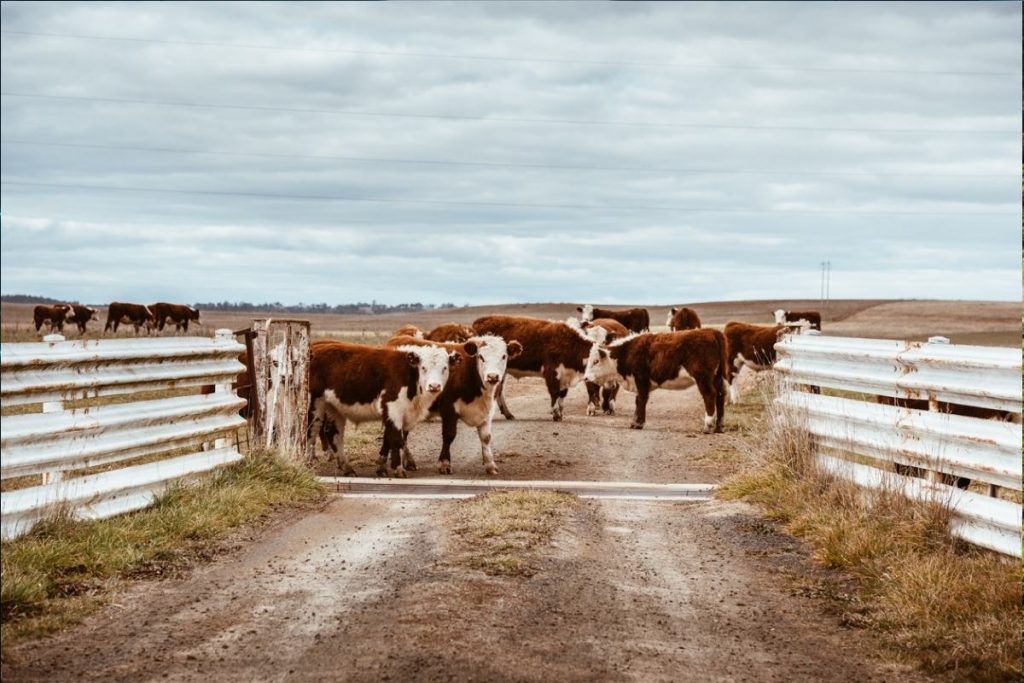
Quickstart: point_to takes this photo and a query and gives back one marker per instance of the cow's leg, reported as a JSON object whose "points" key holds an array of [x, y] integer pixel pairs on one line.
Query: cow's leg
{"points": [[484, 432], [407, 460], [719, 401], [184, 325], [555, 392], [706, 386], [449, 428], [39, 324], [393, 443], [608, 401], [643, 392], [338, 443], [499, 394], [734, 389], [593, 397]]}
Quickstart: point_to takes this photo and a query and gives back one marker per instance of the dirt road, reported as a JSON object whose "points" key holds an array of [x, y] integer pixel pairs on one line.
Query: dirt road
{"points": [[364, 589]]}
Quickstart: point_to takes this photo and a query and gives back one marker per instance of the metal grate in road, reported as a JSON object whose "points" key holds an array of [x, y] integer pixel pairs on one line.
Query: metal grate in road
{"points": [[467, 488]]}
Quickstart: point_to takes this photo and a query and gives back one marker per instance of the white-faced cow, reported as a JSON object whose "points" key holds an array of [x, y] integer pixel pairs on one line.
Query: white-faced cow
{"points": [[602, 398], [469, 395], [682, 319], [552, 349], [813, 318], [357, 383], [669, 360], [635, 319], [752, 346], [135, 315], [450, 332], [178, 314], [54, 315], [80, 316]]}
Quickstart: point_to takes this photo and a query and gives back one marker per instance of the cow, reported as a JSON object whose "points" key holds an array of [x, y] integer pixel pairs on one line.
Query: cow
{"points": [[595, 400], [450, 332], [752, 346], [635, 319], [667, 360], [178, 314], [812, 317], [54, 315], [554, 350], [358, 383], [682, 319], [80, 316], [409, 331], [135, 315], [469, 395]]}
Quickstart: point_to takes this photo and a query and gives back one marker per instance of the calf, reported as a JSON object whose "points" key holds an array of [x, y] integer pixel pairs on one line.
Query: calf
{"points": [[469, 395], [135, 315], [812, 317], [80, 316], [178, 314], [682, 319], [54, 315], [669, 360], [635, 319], [357, 383], [553, 350], [450, 332], [598, 397], [752, 346]]}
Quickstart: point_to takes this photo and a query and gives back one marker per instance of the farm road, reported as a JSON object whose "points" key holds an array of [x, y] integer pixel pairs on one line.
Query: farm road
{"points": [[365, 589]]}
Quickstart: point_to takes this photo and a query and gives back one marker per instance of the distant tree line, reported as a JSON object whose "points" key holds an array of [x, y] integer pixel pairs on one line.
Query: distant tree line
{"points": [[361, 307], [31, 299]]}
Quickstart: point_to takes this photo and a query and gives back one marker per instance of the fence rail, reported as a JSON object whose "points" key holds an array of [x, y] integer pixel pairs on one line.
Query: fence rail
{"points": [[944, 380], [63, 439]]}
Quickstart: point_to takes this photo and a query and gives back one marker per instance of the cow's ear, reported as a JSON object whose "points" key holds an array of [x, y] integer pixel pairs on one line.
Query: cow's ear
{"points": [[471, 348], [610, 337], [579, 308], [414, 358], [514, 348], [454, 358], [674, 311], [585, 324]]}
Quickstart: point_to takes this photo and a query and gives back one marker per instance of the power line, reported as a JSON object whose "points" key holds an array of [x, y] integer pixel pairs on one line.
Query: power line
{"points": [[498, 164], [495, 58], [495, 119], [444, 202]]}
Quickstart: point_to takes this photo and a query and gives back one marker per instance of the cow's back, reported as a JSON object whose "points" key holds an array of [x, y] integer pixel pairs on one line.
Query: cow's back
{"points": [[532, 333], [356, 373]]}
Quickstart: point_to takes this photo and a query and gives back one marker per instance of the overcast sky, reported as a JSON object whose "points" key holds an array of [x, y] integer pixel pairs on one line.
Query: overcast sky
{"points": [[490, 152]]}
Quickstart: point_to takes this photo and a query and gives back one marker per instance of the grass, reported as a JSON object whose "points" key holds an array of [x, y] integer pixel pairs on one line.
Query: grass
{"points": [[497, 532], [948, 606], [64, 569]]}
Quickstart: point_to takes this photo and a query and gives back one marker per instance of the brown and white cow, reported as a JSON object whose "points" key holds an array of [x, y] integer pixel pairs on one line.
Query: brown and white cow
{"points": [[450, 332], [358, 383], [178, 314], [80, 316], [469, 395], [682, 319], [135, 315], [54, 315], [752, 346], [602, 398], [409, 331], [635, 319], [667, 360], [813, 318], [552, 349]]}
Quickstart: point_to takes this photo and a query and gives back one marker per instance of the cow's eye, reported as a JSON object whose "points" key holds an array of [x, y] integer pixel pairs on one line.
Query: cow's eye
{"points": [[504, 357]]}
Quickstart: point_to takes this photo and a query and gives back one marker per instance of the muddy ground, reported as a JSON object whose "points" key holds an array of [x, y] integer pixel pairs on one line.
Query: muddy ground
{"points": [[627, 591]]}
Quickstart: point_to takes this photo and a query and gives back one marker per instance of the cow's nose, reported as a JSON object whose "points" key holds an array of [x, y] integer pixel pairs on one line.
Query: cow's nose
{"points": [[434, 388], [493, 378]]}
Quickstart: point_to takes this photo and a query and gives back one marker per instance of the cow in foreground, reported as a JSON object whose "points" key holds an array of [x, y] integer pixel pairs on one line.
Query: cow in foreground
{"points": [[80, 316], [450, 332], [469, 395], [602, 398], [752, 346], [178, 314], [135, 315], [668, 360], [682, 319], [553, 350], [357, 383], [635, 319], [813, 318], [54, 315]]}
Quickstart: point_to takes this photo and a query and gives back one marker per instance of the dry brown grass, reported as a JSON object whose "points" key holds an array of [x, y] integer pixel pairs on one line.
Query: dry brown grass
{"points": [[948, 606]]}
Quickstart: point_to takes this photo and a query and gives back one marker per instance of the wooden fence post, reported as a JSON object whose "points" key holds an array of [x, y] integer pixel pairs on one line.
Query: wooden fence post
{"points": [[281, 363]]}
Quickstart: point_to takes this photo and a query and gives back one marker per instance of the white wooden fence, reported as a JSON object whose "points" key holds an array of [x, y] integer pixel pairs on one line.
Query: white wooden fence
{"points": [[938, 373], [61, 439]]}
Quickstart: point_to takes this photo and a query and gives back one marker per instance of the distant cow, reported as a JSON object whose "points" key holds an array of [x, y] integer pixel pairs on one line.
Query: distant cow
{"points": [[450, 332], [669, 360], [635, 319], [603, 397], [682, 319], [178, 314], [752, 346], [80, 316], [409, 331], [553, 350], [54, 315], [135, 315], [469, 395], [357, 383], [812, 317]]}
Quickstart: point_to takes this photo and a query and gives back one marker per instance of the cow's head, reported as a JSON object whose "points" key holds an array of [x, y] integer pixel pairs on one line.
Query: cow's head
{"points": [[492, 355], [434, 364], [193, 314], [601, 367], [671, 314], [780, 316], [586, 312]]}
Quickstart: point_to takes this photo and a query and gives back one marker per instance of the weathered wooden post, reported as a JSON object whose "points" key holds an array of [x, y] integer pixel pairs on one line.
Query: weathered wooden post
{"points": [[281, 367]]}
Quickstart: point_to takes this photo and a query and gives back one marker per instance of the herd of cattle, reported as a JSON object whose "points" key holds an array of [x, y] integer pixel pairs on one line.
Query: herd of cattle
{"points": [[154, 316], [458, 372]]}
